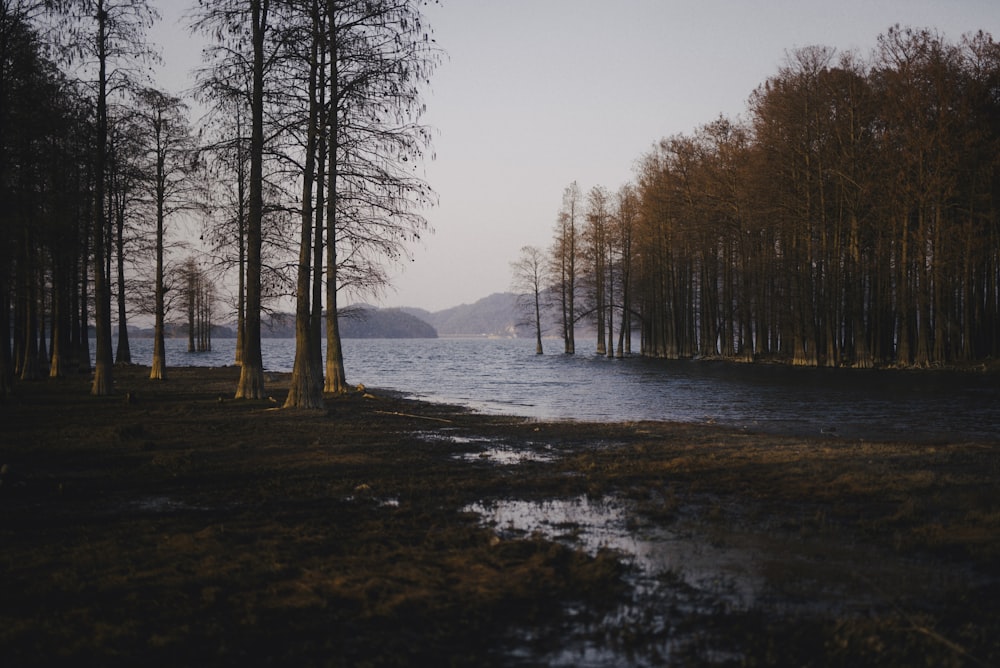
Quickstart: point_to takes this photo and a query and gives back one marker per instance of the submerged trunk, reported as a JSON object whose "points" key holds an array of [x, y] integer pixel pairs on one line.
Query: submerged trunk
{"points": [[538, 324]]}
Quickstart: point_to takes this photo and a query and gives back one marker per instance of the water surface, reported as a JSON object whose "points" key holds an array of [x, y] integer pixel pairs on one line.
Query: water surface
{"points": [[505, 376]]}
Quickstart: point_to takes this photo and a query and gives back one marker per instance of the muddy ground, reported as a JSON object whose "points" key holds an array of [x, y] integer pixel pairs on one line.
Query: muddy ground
{"points": [[172, 525]]}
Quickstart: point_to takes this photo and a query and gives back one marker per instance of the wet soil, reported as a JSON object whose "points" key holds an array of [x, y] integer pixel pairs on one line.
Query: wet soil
{"points": [[173, 525]]}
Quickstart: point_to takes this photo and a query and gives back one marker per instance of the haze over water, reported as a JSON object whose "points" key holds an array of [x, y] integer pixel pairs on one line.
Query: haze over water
{"points": [[504, 376]]}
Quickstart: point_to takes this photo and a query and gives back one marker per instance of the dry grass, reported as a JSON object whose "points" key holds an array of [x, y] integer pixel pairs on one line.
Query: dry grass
{"points": [[188, 528]]}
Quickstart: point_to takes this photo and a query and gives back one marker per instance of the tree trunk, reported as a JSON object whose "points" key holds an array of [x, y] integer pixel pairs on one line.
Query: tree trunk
{"points": [[336, 379], [103, 376], [29, 312], [80, 318], [251, 384], [306, 389], [538, 322], [123, 355], [158, 369], [6, 368]]}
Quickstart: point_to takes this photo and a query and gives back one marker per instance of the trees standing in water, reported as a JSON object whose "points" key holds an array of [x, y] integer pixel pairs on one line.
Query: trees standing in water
{"points": [[530, 284], [316, 121], [851, 220]]}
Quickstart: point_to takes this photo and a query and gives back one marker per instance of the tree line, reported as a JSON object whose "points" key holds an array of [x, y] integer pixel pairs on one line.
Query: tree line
{"points": [[852, 218], [302, 176]]}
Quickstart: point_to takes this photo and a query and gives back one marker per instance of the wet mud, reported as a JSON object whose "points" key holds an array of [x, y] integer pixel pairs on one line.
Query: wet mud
{"points": [[172, 525]]}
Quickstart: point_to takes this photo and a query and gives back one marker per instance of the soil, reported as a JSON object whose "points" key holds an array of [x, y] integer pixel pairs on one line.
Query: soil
{"points": [[170, 524]]}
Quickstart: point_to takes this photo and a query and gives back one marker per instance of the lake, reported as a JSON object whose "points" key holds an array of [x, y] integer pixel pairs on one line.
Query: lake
{"points": [[505, 376]]}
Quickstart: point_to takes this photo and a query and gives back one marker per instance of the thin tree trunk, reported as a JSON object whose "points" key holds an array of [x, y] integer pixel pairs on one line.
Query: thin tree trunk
{"points": [[335, 381], [83, 321], [123, 354], [103, 375], [538, 322], [306, 389], [29, 293], [158, 369], [6, 368]]}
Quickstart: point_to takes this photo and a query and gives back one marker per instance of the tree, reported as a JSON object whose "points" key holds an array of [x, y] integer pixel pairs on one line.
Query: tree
{"points": [[171, 161], [306, 387], [381, 54], [597, 249], [565, 249], [111, 35], [529, 277], [625, 223], [198, 298], [122, 176], [229, 23]]}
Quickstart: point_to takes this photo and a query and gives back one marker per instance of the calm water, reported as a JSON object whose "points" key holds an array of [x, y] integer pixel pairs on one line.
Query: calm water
{"points": [[505, 376]]}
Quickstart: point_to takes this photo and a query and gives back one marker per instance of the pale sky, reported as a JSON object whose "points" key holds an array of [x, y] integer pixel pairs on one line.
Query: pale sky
{"points": [[535, 94]]}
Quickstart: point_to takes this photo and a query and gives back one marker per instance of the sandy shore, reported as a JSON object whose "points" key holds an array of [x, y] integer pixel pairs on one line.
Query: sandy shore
{"points": [[182, 527]]}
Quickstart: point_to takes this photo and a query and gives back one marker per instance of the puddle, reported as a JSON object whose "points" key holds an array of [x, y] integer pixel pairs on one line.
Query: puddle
{"points": [[494, 451], [675, 576], [506, 456], [159, 504], [690, 577], [445, 436], [726, 571]]}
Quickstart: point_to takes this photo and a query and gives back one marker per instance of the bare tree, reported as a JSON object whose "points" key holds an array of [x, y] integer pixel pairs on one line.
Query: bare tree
{"points": [[529, 278], [381, 54], [306, 387], [229, 23], [565, 251], [625, 223], [111, 36], [171, 157], [597, 240]]}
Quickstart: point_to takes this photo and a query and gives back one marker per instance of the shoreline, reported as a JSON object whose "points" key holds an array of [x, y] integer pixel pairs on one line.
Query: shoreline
{"points": [[937, 417], [188, 527]]}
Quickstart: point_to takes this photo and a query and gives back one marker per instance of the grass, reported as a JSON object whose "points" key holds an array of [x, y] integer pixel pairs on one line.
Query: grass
{"points": [[185, 527]]}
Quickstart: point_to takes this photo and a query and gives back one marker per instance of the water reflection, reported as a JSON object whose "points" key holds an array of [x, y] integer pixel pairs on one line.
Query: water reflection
{"points": [[726, 570], [690, 577]]}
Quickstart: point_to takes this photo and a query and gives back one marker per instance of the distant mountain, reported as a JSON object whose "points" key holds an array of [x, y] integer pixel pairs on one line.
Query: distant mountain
{"points": [[388, 323], [496, 315], [358, 322]]}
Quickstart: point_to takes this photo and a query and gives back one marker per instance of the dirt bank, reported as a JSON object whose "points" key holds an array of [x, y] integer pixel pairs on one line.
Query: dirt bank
{"points": [[173, 525]]}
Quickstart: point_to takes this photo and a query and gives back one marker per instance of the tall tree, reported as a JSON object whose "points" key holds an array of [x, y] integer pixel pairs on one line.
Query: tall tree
{"points": [[381, 55], [111, 35], [229, 23], [565, 251], [171, 162], [596, 237], [625, 223], [306, 387], [529, 279]]}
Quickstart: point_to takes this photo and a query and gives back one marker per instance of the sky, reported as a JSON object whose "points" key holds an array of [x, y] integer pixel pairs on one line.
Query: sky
{"points": [[532, 95]]}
